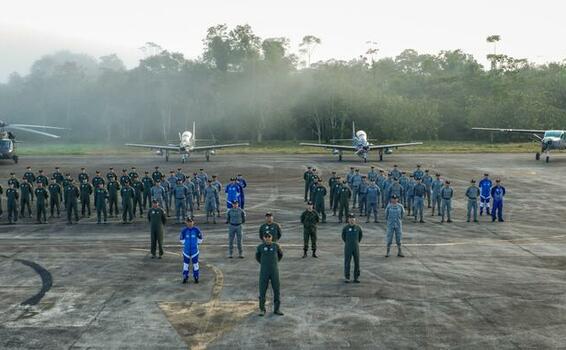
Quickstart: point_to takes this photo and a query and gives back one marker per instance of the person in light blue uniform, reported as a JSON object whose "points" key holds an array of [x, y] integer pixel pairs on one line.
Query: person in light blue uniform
{"points": [[472, 193], [372, 199], [180, 192], [403, 181], [418, 172], [356, 181], [410, 188], [172, 180], [191, 237], [427, 181], [436, 186], [218, 185], [419, 192], [485, 194], [394, 214], [395, 172], [372, 175], [497, 193], [446, 195]]}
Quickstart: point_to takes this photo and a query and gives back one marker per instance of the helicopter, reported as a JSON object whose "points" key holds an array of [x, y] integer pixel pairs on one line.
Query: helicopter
{"points": [[8, 138]]}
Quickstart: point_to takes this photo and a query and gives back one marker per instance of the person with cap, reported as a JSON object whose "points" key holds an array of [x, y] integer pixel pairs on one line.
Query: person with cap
{"points": [[331, 182], [41, 178], [472, 193], [14, 181], [41, 196], [127, 193], [157, 175], [26, 192], [268, 254], [191, 238], [113, 188], [233, 192], [372, 175], [395, 190], [58, 176], [180, 192], [403, 181], [352, 236], [124, 177], [157, 219], [485, 194], [436, 187], [313, 187], [180, 175], [395, 172], [55, 197], [210, 195], [12, 197], [419, 193], [243, 184], [172, 181], [372, 201], [270, 227], [147, 182], [137, 185], [418, 173], [356, 181], [29, 175], [1, 193], [203, 182], [167, 189], [133, 173], [97, 179], [410, 193], [335, 191], [235, 218], [86, 191], [83, 175], [100, 198], [344, 201], [394, 214], [307, 177], [380, 182], [111, 174], [362, 196], [189, 200], [197, 183], [349, 176], [497, 193], [218, 185], [65, 184], [318, 200], [72, 194], [427, 181], [309, 220], [158, 194], [446, 195]]}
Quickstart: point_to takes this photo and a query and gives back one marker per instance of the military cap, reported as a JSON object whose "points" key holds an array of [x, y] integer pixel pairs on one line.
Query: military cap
{"points": [[267, 234], [426, 171], [171, 171], [232, 179], [124, 170], [239, 174], [309, 203], [82, 168], [195, 174], [485, 174], [28, 167], [40, 170], [448, 182], [411, 175], [111, 168], [309, 167], [179, 169], [394, 165], [418, 165], [214, 176], [351, 168], [146, 172], [56, 167], [351, 216], [403, 172], [498, 180], [235, 201], [269, 213], [357, 170], [12, 173], [157, 167], [201, 169], [437, 174], [373, 167], [473, 181], [363, 176], [313, 169], [98, 171], [189, 219], [333, 172], [133, 167]]}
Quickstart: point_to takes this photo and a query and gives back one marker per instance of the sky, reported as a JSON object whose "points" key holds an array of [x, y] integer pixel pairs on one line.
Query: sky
{"points": [[32, 28]]}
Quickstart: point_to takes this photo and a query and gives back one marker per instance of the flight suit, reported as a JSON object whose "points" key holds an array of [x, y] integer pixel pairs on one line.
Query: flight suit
{"points": [[394, 217], [497, 193], [363, 194], [309, 219], [397, 190], [235, 217], [372, 201], [97, 180], [274, 229], [386, 186], [472, 193], [12, 197], [55, 198], [372, 176], [15, 182], [344, 199], [308, 178], [336, 193], [196, 194], [380, 182], [331, 182], [352, 236], [203, 180], [189, 206], [356, 180], [147, 185], [157, 219], [418, 173], [403, 181], [157, 176], [218, 185], [86, 191], [419, 192], [113, 188], [127, 193], [427, 181], [138, 196], [58, 176], [111, 175], [172, 180], [395, 173], [180, 193], [166, 190], [124, 178], [100, 197], [29, 176], [446, 194], [26, 192], [436, 186], [83, 176], [268, 256], [410, 194], [71, 202], [42, 179], [210, 194], [191, 238], [319, 194], [41, 196]]}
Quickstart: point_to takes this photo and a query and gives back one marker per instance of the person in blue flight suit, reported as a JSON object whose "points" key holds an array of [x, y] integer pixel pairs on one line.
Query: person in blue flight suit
{"points": [[497, 193], [233, 193], [485, 193], [243, 184], [191, 238]]}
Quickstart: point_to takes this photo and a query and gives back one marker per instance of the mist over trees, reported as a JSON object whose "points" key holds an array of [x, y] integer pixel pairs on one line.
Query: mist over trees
{"points": [[244, 87]]}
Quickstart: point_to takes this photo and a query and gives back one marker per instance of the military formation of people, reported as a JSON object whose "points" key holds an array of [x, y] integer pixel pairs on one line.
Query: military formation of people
{"points": [[128, 193]]}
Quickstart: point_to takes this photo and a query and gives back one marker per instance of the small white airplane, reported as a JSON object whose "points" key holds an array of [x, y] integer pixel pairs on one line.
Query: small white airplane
{"points": [[549, 141], [186, 146], [360, 145]]}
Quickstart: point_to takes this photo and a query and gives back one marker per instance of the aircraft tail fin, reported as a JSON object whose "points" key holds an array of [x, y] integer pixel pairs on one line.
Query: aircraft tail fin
{"points": [[353, 129], [194, 131]]}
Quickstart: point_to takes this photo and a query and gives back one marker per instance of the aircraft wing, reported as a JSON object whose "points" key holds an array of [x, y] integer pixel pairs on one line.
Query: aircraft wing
{"points": [[158, 147], [395, 145], [522, 131], [213, 147], [322, 145]]}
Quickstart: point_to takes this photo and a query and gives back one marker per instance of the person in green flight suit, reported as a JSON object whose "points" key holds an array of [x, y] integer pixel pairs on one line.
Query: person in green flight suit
{"points": [[12, 197], [100, 197], [157, 218], [86, 192], [26, 191], [72, 194], [113, 188], [55, 197], [270, 226], [352, 236], [127, 193], [268, 254], [309, 219], [41, 196], [138, 194]]}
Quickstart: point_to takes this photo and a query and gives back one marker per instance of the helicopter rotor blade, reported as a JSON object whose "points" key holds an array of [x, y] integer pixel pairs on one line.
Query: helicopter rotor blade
{"points": [[35, 131], [36, 126]]}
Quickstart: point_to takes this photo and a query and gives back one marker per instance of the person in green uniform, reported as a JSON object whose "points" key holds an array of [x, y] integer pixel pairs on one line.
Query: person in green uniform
{"points": [[138, 194], [65, 184], [318, 201], [83, 175], [309, 219], [72, 194], [41, 196], [473, 194], [113, 188], [55, 197], [308, 178], [86, 192], [268, 254], [352, 236], [331, 182], [100, 197], [97, 179], [42, 178], [14, 180], [270, 227], [12, 197], [127, 193], [344, 195], [157, 218], [26, 191], [147, 182]]}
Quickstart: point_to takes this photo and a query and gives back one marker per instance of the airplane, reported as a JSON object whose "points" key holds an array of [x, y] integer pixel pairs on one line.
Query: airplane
{"points": [[549, 141], [360, 145], [186, 146], [8, 138]]}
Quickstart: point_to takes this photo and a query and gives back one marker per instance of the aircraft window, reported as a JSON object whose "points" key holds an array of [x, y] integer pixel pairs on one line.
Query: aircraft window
{"points": [[553, 134], [4, 143]]}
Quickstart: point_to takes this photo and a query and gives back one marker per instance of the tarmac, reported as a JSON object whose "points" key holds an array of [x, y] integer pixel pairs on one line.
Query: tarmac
{"points": [[461, 285]]}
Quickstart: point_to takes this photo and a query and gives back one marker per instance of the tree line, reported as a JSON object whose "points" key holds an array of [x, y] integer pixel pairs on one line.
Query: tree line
{"points": [[244, 87]]}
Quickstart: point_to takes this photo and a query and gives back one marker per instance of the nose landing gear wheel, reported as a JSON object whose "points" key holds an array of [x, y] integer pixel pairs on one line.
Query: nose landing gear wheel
{"points": [[15, 158], [537, 156], [547, 159]]}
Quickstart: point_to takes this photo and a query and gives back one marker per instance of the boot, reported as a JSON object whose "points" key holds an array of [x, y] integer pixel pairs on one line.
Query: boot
{"points": [[400, 252], [305, 254], [388, 254], [185, 279], [314, 254]]}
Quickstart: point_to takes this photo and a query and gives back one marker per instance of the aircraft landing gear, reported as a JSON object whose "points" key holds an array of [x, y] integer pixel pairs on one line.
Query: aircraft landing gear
{"points": [[547, 159], [537, 156], [381, 156], [166, 156], [207, 156], [15, 158], [340, 156]]}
